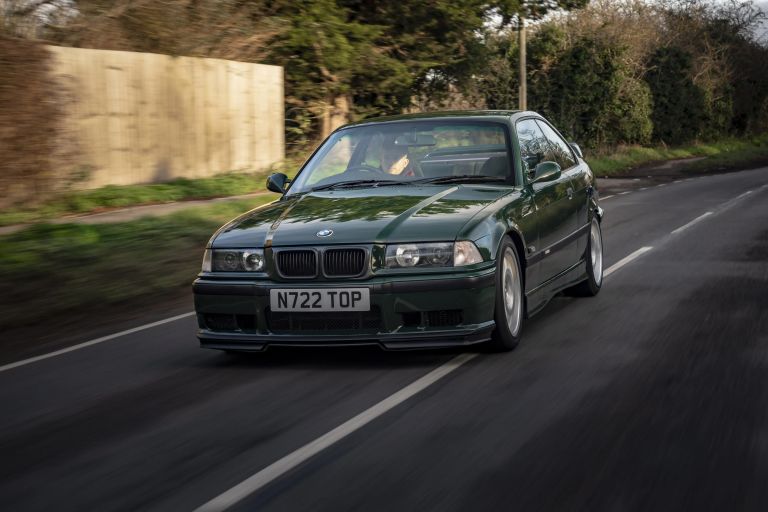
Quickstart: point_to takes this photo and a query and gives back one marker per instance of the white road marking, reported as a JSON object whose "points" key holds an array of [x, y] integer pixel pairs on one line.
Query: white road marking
{"points": [[96, 341], [607, 197], [623, 193], [661, 185], [627, 259], [309, 450], [644, 188], [616, 266], [694, 221]]}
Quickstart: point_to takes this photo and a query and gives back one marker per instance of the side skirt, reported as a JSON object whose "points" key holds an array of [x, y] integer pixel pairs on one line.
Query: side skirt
{"points": [[540, 296]]}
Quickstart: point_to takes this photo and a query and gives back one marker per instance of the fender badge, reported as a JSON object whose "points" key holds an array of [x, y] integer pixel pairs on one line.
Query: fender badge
{"points": [[325, 232]]}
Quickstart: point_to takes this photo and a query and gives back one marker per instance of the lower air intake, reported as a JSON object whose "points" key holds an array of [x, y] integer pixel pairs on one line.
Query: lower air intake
{"points": [[289, 322]]}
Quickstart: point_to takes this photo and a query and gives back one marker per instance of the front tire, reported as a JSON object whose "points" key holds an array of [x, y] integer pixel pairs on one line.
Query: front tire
{"points": [[509, 309], [594, 258]]}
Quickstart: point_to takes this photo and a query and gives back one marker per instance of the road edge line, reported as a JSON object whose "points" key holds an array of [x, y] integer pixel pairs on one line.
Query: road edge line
{"points": [[689, 224], [24, 362], [626, 259]]}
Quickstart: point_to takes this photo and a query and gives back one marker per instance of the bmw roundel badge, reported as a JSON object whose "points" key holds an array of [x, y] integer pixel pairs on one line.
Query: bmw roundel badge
{"points": [[325, 232]]}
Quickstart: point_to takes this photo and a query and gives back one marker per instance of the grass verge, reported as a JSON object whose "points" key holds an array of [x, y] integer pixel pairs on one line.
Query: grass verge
{"points": [[724, 154], [113, 196], [47, 271]]}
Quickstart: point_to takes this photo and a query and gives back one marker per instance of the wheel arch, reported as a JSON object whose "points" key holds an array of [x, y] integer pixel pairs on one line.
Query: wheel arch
{"points": [[514, 234], [517, 239]]}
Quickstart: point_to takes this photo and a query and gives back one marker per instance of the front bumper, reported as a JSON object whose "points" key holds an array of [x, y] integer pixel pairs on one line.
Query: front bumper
{"points": [[408, 307]]}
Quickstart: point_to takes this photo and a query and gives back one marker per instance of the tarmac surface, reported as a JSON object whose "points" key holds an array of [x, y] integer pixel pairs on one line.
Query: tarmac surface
{"points": [[650, 396]]}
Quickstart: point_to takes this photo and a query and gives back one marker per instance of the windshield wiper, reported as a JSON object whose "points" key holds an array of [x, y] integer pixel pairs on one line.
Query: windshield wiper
{"points": [[356, 183], [463, 178]]}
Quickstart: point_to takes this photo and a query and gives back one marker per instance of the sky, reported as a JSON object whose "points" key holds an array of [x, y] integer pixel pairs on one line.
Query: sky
{"points": [[762, 32]]}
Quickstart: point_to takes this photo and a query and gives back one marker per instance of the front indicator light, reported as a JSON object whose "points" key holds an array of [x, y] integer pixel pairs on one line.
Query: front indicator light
{"points": [[465, 253], [207, 257]]}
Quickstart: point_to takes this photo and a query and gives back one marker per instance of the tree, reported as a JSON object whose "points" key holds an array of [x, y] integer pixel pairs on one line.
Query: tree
{"points": [[323, 52], [499, 82], [440, 41]]}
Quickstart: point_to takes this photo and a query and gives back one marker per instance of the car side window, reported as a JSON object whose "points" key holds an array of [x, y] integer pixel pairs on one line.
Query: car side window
{"points": [[534, 147], [562, 150]]}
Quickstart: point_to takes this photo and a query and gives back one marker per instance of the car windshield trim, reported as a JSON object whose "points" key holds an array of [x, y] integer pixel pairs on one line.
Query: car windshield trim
{"points": [[461, 178], [356, 183]]}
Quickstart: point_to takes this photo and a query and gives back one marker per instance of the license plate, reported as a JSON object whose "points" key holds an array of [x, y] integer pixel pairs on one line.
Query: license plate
{"points": [[313, 299]]}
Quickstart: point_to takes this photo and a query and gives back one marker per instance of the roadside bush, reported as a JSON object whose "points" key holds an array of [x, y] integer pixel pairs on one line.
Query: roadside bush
{"points": [[631, 113], [679, 106], [591, 95]]}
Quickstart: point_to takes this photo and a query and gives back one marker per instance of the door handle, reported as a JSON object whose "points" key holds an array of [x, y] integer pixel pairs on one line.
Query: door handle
{"points": [[569, 191]]}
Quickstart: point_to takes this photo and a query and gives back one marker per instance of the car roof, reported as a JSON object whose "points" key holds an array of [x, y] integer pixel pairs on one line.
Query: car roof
{"points": [[458, 115]]}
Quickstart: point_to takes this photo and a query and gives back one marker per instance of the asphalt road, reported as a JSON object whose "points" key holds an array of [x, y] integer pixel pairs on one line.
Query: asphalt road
{"points": [[651, 396]]}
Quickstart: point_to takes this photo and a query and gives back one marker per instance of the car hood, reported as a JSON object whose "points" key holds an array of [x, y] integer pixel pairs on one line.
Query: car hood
{"points": [[364, 215]]}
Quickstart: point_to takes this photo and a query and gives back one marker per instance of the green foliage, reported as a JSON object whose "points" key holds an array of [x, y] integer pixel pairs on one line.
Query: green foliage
{"points": [[606, 85], [381, 55], [327, 54], [500, 83], [631, 113], [435, 41], [589, 93], [679, 107], [323, 48], [718, 112], [729, 61]]}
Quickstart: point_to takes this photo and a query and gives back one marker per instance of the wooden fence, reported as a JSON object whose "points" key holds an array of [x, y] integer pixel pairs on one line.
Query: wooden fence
{"points": [[141, 118]]}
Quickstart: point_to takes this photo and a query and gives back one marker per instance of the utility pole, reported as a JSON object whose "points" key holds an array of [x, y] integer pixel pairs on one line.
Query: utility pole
{"points": [[523, 85]]}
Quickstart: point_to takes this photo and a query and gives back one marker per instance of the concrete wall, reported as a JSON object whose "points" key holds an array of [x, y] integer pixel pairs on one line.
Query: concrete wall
{"points": [[140, 117]]}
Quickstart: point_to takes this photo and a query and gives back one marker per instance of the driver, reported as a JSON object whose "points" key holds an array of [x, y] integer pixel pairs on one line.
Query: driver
{"points": [[394, 159]]}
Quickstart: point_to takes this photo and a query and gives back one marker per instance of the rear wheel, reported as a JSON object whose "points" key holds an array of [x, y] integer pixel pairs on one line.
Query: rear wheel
{"points": [[594, 257], [509, 299]]}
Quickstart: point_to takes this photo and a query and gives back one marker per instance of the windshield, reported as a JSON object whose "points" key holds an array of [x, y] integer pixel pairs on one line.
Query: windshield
{"points": [[419, 151]]}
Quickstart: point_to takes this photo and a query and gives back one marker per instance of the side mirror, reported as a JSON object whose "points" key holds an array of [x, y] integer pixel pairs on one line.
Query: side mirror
{"points": [[277, 182], [546, 171], [577, 150]]}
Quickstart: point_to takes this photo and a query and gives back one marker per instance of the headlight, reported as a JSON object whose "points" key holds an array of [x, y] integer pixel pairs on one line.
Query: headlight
{"points": [[234, 260], [443, 254]]}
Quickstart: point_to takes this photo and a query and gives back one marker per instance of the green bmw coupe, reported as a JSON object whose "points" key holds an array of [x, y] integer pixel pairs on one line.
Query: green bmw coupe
{"points": [[408, 232]]}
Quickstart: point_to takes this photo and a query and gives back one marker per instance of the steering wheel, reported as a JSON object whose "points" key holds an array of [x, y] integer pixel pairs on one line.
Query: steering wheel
{"points": [[365, 168]]}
